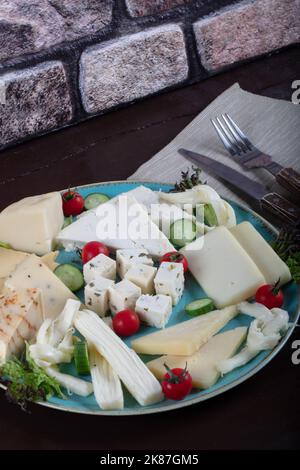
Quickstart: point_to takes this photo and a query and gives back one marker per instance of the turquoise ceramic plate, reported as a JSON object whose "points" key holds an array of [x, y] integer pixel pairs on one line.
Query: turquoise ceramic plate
{"points": [[88, 405]]}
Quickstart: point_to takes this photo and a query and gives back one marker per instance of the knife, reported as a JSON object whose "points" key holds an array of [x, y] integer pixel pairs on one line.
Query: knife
{"points": [[272, 202]]}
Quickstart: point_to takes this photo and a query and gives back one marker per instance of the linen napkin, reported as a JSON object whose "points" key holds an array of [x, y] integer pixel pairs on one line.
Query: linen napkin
{"points": [[272, 125]]}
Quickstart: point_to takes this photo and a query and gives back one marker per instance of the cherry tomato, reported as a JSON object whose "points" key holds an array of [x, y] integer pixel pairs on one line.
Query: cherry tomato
{"points": [[73, 203], [175, 257], [270, 296], [92, 249], [177, 383], [126, 323]]}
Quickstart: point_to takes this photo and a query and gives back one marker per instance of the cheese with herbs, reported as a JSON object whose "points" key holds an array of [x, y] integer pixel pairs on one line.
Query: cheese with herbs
{"points": [[143, 277], [131, 257], [261, 252], [96, 295], [155, 310], [223, 268], [169, 280], [203, 364], [32, 273], [20, 318], [99, 266], [185, 338], [32, 224], [123, 295]]}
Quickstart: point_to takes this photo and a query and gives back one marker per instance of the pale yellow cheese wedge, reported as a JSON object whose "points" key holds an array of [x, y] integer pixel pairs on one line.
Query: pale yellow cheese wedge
{"points": [[202, 364], [20, 318], [263, 255], [185, 338], [50, 260], [33, 273]]}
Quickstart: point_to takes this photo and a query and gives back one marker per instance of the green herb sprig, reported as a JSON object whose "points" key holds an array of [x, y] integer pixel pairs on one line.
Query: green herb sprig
{"points": [[287, 246], [26, 382], [188, 181]]}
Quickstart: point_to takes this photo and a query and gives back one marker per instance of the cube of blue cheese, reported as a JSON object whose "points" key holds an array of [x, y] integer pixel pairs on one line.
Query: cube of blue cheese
{"points": [[100, 266], [96, 295], [123, 295], [131, 257], [155, 310], [142, 276], [169, 280]]}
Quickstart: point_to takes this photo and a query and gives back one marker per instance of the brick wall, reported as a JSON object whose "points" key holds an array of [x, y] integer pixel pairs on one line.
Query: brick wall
{"points": [[62, 61]]}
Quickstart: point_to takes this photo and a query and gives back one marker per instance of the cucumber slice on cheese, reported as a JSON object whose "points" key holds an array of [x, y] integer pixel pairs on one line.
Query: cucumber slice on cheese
{"points": [[94, 200], [210, 216], [70, 275], [81, 358], [199, 307], [182, 232]]}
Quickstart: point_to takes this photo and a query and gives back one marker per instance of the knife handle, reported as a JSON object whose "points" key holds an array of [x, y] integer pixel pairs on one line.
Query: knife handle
{"points": [[289, 179], [281, 207]]}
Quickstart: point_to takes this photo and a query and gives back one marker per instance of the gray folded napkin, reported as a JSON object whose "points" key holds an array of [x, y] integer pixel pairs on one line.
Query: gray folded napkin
{"points": [[272, 125]]}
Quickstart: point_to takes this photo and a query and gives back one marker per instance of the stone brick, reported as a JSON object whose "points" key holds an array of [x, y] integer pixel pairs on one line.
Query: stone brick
{"points": [[30, 26], [247, 30], [131, 67], [33, 100], [150, 7]]}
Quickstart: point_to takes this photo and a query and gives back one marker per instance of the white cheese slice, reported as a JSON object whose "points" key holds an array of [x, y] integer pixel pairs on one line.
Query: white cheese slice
{"points": [[203, 364], [96, 295], [185, 338], [135, 375], [32, 273], [155, 310], [169, 280], [107, 385], [143, 277], [263, 255], [20, 318], [120, 223], [131, 257], [222, 267], [31, 224]]}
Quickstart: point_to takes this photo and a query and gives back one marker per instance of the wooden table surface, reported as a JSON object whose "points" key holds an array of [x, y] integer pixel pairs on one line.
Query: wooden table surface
{"points": [[262, 413]]}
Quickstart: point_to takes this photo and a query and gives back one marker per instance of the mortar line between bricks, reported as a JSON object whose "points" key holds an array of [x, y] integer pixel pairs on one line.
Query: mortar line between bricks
{"points": [[93, 144]]}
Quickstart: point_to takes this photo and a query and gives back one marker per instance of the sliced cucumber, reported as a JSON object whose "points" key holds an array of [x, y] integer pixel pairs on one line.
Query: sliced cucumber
{"points": [[81, 358], [94, 200], [70, 275], [199, 307], [210, 216], [182, 232], [5, 245]]}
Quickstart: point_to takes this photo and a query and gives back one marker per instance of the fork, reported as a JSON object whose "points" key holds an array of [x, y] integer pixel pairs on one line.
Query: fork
{"points": [[244, 152]]}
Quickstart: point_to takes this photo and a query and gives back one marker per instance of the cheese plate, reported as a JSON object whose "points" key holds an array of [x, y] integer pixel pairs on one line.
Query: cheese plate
{"points": [[192, 291]]}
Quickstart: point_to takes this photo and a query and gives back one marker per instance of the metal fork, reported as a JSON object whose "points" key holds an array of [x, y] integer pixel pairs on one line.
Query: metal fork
{"points": [[242, 150]]}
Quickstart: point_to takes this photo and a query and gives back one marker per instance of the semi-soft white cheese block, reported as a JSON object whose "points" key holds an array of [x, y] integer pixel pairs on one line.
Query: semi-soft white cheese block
{"points": [[96, 295], [155, 310], [169, 280], [32, 273], [31, 224], [123, 295], [131, 257], [20, 318], [120, 223], [185, 338], [222, 267], [261, 252], [100, 266], [142, 276], [203, 364]]}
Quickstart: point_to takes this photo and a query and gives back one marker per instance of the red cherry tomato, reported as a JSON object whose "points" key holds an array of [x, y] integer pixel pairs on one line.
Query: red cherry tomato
{"points": [[270, 296], [177, 383], [126, 323], [92, 249], [175, 257], [73, 203]]}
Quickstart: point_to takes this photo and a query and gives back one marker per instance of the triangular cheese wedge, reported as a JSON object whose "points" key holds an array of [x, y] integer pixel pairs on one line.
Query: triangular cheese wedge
{"points": [[33, 273], [20, 318], [185, 338], [202, 364]]}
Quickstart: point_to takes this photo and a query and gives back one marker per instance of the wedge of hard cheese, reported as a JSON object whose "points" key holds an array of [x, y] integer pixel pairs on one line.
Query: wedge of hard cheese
{"points": [[222, 267], [32, 273], [202, 364], [185, 338], [265, 258], [31, 224], [20, 317]]}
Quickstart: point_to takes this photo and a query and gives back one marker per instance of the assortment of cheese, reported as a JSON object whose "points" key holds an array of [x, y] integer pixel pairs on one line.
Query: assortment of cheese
{"points": [[229, 262]]}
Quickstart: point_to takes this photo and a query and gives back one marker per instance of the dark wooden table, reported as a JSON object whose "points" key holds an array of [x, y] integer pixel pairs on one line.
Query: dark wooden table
{"points": [[262, 413]]}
